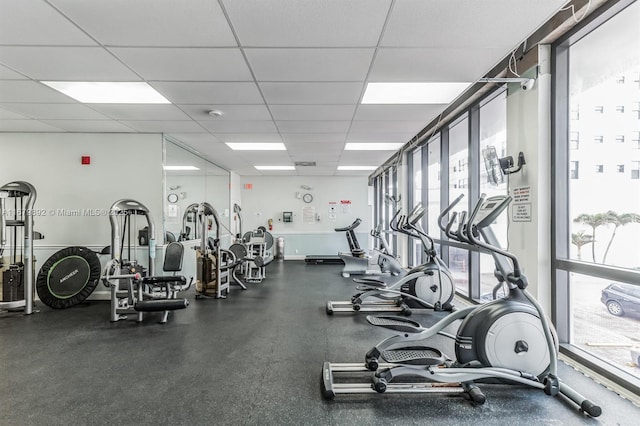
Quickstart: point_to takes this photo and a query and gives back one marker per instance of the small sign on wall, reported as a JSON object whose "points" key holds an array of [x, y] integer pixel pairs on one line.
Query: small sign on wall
{"points": [[521, 210], [308, 215], [345, 206]]}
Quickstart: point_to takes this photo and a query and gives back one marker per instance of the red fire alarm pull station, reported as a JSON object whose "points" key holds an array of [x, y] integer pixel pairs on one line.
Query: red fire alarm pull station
{"points": [[86, 160]]}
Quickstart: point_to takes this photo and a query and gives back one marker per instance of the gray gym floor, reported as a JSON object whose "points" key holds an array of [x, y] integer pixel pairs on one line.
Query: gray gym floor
{"points": [[255, 358]]}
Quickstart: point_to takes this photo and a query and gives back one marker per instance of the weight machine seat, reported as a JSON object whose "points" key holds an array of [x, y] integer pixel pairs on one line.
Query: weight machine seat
{"points": [[354, 225], [178, 279], [173, 256]]}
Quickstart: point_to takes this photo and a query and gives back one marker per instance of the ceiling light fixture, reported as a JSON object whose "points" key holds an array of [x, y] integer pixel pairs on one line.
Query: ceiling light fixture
{"points": [[256, 146], [180, 168], [101, 92], [357, 168], [412, 93], [275, 167], [372, 146], [216, 113]]}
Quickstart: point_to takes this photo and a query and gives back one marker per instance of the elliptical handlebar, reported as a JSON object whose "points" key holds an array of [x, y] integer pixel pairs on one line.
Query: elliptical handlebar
{"points": [[462, 227], [446, 211]]}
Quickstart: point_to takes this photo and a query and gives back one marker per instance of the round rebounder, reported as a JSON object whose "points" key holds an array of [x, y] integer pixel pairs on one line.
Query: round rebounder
{"points": [[68, 277]]}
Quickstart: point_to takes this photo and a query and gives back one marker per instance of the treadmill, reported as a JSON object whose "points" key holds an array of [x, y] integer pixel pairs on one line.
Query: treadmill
{"points": [[330, 259]]}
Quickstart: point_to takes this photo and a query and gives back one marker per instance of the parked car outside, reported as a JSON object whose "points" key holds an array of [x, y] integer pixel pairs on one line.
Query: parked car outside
{"points": [[621, 299]]}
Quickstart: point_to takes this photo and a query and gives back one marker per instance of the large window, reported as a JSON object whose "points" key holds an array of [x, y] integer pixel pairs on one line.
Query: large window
{"points": [[459, 184], [597, 205], [433, 187], [493, 145], [416, 197]]}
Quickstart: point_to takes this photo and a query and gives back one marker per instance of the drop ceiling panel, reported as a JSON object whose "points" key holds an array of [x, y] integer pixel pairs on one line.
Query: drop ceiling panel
{"points": [[205, 93], [310, 64], [202, 64], [36, 22], [66, 63], [313, 151], [230, 112], [268, 158], [313, 126], [411, 127], [140, 111], [433, 64], [164, 126], [239, 126], [364, 158], [311, 137], [311, 93], [26, 126], [313, 112], [373, 136], [55, 111], [465, 23], [90, 126], [9, 74], [249, 137], [316, 171], [289, 23], [30, 91], [151, 22], [421, 113], [5, 114]]}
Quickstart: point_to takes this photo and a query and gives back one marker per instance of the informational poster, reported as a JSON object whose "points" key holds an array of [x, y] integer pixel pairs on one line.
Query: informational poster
{"points": [[333, 209], [521, 210], [308, 215], [345, 206], [173, 212]]}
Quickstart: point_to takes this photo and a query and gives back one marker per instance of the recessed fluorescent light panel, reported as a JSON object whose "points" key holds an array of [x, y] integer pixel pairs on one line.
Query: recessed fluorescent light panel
{"points": [[256, 146], [358, 168], [412, 93], [372, 146], [181, 168], [93, 92], [275, 167]]}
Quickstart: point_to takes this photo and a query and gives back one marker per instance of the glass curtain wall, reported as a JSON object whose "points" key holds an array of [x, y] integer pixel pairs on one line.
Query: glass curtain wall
{"points": [[493, 145], [416, 197], [459, 184], [597, 203]]}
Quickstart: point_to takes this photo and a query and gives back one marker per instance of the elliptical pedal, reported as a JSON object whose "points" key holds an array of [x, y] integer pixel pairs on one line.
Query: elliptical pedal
{"points": [[403, 325], [417, 355]]}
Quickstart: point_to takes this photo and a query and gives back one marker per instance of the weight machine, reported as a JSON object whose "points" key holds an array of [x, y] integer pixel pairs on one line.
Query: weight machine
{"points": [[16, 223], [135, 288]]}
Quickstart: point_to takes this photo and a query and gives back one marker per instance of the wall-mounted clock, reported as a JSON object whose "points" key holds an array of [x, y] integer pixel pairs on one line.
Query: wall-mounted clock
{"points": [[172, 198], [307, 198]]}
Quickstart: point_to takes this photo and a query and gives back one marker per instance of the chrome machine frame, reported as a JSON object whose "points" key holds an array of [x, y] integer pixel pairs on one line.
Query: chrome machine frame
{"points": [[22, 217]]}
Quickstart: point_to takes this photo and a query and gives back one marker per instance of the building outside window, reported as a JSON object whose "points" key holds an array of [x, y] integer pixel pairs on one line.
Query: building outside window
{"points": [[417, 184], [597, 217], [458, 159], [493, 145]]}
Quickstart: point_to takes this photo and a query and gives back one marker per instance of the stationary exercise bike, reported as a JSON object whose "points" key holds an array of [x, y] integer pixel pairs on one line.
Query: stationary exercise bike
{"points": [[508, 340], [427, 286]]}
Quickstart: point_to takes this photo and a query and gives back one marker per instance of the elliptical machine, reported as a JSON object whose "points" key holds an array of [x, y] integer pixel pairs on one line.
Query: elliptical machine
{"points": [[428, 286], [507, 340]]}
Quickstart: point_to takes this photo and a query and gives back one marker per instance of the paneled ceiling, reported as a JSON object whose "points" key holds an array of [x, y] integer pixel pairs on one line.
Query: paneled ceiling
{"points": [[291, 71]]}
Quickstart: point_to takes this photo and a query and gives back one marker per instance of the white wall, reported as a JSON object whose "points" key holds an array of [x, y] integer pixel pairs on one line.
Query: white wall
{"points": [[528, 130], [122, 166], [272, 195]]}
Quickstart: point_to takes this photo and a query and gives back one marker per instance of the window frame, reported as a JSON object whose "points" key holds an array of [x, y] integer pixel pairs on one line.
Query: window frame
{"points": [[561, 263]]}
